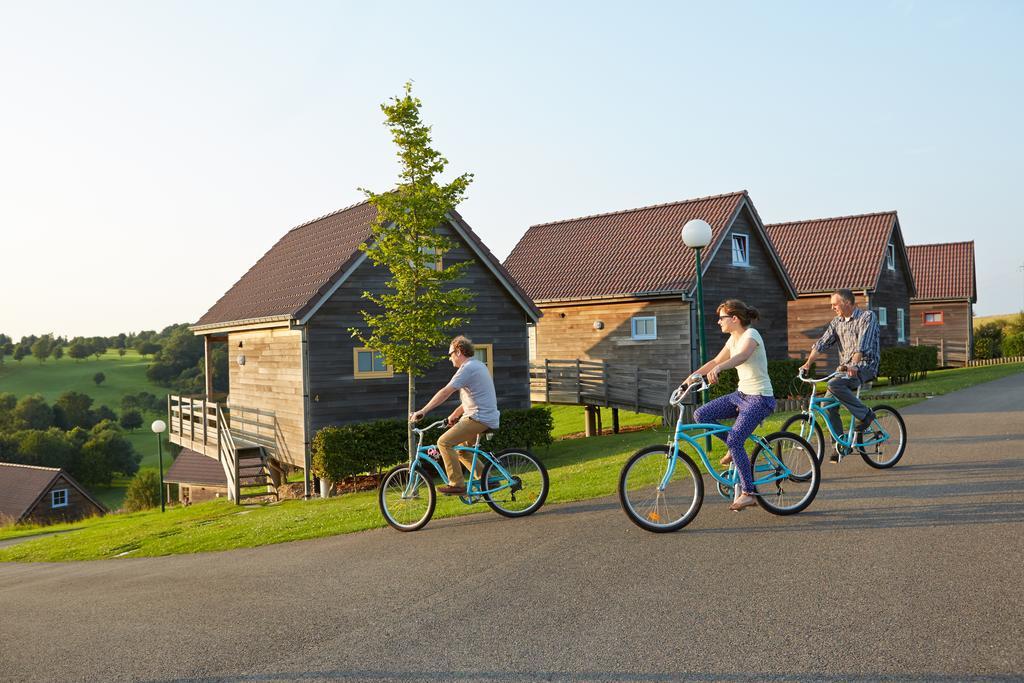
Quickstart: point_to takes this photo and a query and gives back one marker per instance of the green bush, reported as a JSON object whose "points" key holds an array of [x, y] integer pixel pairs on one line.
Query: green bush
{"points": [[347, 450], [1013, 345], [143, 491], [782, 374], [903, 364], [988, 340]]}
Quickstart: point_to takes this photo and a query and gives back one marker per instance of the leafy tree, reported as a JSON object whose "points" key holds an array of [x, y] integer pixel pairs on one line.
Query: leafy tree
{"points": [[420, 307], [131, 419], [1015, 325], [988, 340], [46, 448], [79, 349], [99, 346], [57, 352], [181, 351], [99, 378], [105, 413], [20, 351], [121, 351], [143, 491], [106, 453], [77, 410], [32, 412], [147, 348], [1013, 345], [8, 402], [42, 347]]}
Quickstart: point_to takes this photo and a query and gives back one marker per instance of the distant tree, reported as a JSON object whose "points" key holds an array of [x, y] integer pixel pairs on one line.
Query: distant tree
{"points": [[46, 448], [1015, 325], [121, 351], [32, 412], [57, 352], [99, 378], [77, 410], [131, 419], [8, 402], [105, 454], [20, 351], [180, 352], [105, 413], [79, 349], [146, 348], [143, 491], [29, 340], [6, 348], [120, 342], [99, 346], [42, 347]]}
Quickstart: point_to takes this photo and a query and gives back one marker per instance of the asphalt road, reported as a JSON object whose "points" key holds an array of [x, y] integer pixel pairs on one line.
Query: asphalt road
{"points": [[909, 574]]}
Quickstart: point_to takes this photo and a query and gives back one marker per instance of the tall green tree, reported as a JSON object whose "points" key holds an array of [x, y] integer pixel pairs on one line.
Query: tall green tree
{"points": [[420, 307]]}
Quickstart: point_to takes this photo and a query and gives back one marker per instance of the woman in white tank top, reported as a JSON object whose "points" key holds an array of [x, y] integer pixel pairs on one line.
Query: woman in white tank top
{"points": [[753, 400]]}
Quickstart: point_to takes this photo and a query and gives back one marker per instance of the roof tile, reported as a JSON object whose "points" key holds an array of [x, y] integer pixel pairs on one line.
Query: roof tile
{"points": [[943, 271]]}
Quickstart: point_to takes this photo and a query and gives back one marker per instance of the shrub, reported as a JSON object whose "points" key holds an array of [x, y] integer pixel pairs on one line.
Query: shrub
{"points": [[903, 364], [988, 340], [782, 374], [143, 491], [131, 419], [347, 450], [1013, 345]]}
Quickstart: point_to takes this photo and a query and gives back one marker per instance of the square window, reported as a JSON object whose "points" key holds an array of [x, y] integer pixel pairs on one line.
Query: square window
{"points": [[485, 354], [740, 250], [890, 256], [368, 364], [933, 318], [59, 498], [645, 327]]}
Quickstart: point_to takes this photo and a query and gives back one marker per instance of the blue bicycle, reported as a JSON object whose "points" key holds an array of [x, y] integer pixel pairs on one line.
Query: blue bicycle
{"points": [[881, 445], [514, 483], [661, 489]]}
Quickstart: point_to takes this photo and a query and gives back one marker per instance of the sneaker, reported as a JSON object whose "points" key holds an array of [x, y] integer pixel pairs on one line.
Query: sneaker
{"points": [[862, 425], [452, 490]]}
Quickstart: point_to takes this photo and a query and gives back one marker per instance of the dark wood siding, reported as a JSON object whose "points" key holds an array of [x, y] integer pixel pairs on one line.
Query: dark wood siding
{"points": [[957, 328], [78, 506], [567, 332], [893, 293], [758, 285], [336, 397], [808, 318]]}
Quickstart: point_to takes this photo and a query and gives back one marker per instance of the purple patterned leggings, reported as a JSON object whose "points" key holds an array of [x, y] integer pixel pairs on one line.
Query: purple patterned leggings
{"points": [[749, 411]]}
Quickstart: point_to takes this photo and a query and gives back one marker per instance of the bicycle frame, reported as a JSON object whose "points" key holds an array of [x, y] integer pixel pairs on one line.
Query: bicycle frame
{"points": [[778, 469], [429, 453], [818, 406]]}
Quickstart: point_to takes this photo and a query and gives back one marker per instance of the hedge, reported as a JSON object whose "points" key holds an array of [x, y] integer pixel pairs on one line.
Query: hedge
{"points": [[903, 364], [782, 374], [347, 450]]}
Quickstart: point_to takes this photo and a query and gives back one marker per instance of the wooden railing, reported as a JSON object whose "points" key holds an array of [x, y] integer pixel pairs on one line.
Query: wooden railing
{"points": [[598, 383], [950, 353], [227, 454]]}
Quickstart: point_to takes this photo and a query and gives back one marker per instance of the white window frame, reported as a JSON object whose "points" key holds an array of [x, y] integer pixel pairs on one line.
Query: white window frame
{"points": [[652, 319], [430, 251], [883, 316], [490, 355], [745, 260], [372, 374], [890, 256], [901, 324], [53, 498]]}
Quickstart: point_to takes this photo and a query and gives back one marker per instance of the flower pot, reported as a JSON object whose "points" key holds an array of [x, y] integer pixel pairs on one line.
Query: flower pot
{"points": [[326, 487]]}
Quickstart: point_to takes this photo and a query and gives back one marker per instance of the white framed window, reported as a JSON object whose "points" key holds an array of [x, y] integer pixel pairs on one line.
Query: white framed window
{"points": [[369, 364], [901, 324], [430, 251], [59, 498], [645, 327], [933, 318], [485, 354], [883, 316], [740, 250], [890, 256]]}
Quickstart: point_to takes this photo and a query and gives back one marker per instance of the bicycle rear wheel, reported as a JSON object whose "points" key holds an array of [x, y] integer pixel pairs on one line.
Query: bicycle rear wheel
{"points": [[651, 502], [887, 453], [529, 487], [805, 426], [794, 470], [406, 511]]}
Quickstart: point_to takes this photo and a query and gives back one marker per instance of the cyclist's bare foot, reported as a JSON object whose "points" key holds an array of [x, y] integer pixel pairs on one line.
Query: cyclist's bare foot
{"points": [[726, 459], [744, 501]]}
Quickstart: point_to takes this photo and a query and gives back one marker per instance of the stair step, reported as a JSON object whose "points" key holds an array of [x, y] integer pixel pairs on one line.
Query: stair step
{"points": [[258, 495]]}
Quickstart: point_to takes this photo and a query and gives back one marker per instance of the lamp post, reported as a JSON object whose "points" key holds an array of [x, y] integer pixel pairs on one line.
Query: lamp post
{"points": [[697, 235], [158, 427]]}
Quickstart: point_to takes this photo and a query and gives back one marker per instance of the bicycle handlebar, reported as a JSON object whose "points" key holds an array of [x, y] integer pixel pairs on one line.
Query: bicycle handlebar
{"points": [[814, 380], [682, 391], [439, 423]]}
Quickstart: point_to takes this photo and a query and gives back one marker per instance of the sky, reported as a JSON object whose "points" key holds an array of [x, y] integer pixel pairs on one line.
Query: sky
{"points": [[150, 153]]}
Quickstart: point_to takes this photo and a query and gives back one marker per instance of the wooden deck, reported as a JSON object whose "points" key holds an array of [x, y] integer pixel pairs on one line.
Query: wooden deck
{"points": [[597, 383]]}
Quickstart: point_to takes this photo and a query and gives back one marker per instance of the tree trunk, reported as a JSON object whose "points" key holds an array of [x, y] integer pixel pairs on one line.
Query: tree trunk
{"points": [[412, 409]]}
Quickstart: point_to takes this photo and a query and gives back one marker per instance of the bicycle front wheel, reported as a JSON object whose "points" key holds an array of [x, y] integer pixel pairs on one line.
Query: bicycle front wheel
{"points": [[805, 426], [406, 508], [529, 485], [886, 453], [790, 473], [651, 498]]}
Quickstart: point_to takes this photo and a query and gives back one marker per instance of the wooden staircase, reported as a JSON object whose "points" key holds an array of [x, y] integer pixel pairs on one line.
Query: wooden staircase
{"points": [[258, 475]]}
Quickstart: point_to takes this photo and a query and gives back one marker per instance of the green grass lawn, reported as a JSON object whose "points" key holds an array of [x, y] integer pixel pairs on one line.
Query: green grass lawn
{"points": [[579, 469], [570, 420]]}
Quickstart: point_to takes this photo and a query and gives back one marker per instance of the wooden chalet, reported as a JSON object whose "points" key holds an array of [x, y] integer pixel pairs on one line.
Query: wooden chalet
{"points": [[295, 367], [865, 254], [43, 495], [942, 313], [618, 295]]}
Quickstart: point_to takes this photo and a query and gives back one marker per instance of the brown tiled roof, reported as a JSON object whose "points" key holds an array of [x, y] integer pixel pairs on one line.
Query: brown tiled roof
{"points": [[22, 485], [625, 253], [826, 254], [943, 271], [293, 276], [191, 467]]}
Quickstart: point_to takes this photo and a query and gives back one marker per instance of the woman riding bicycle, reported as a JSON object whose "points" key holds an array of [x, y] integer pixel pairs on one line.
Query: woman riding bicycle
{"points": [[754, 399]]}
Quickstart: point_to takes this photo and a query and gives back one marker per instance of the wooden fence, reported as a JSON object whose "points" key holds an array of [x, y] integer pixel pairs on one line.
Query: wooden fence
{"points": [[995, 361], [950, 353], [598, 383]]}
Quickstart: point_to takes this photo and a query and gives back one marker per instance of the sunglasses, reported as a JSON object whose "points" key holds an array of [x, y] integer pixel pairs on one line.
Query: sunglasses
{"points": [[725, 317]]}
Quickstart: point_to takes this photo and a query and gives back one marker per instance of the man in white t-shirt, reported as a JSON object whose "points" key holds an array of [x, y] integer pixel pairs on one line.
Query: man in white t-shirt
{"points": [[477, 411]]}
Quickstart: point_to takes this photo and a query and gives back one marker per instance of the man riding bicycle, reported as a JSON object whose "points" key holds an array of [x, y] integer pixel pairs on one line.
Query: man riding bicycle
{"points": [[856, 332], [477, 411]]}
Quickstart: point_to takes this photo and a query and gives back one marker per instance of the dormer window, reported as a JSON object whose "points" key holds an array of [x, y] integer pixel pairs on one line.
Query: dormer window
{"points": [[890, 256], [740, 250]]}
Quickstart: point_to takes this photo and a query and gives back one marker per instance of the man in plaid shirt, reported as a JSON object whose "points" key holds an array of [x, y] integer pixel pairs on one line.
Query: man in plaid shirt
{"points": [[856, 331]]}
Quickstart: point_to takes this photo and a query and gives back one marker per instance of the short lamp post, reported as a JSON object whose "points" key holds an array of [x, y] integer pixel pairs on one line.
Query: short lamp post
{"points": [[158, 427], [696, 236]]}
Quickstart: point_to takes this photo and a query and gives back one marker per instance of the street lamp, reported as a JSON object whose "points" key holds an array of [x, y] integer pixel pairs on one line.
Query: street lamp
{"points": [[697, 235], [158, 427]]}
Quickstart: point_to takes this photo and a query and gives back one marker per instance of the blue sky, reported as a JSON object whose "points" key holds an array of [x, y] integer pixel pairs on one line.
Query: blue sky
{"points": [[150, 153]]}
